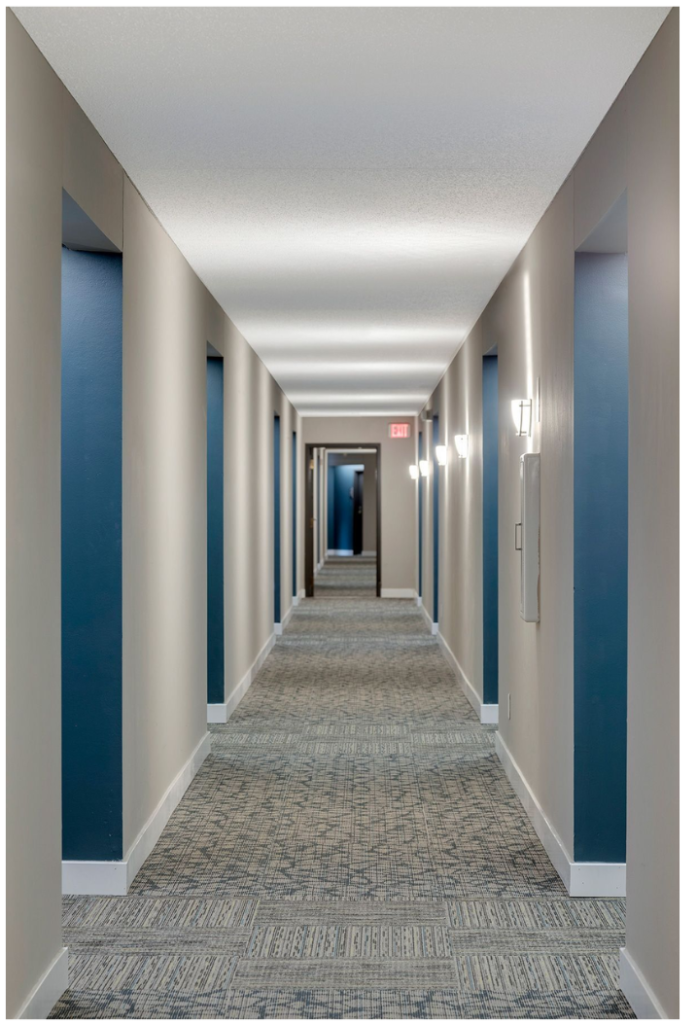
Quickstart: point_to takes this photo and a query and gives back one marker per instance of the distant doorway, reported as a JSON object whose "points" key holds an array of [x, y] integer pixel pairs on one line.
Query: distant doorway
{"points": [[216, 528], [342, 539]]}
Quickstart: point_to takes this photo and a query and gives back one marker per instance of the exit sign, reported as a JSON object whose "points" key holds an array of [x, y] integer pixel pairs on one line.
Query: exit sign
{"points": [[400, 430]]}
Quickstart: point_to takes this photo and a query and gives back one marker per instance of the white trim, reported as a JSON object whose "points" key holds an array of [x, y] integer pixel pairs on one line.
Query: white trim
{"points": [[433, 626], [488, 714], [636, 988], [369, 554], [581, 878], [340, 551], [48, 990], [296, 600], [114, 877], [399, 592], [301, 595], [419, 600], [278, 627], [218, 714]]}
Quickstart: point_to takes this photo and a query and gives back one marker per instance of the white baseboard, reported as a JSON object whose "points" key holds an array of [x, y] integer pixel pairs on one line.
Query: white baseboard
{"points": [[114, 878], [341, 551], [581, 878], [301, 595], [398, 592], [636, 988], [433, 626], [48, 991], [419, 600], [488, 714], [278, 627], [296, 600], [218, 714], [370, 554]]}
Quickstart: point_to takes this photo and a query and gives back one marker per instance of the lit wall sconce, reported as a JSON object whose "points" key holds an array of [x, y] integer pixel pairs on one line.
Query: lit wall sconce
{"points": [[521, 410], [462, 445], [441, 454], [424, 467], [414, 472]]}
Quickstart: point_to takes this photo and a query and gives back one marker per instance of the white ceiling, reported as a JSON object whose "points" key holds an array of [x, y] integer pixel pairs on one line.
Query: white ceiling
{"points": [[350, 183]]}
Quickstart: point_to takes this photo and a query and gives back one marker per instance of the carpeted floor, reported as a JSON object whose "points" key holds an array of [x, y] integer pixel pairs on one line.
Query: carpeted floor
{"points": [[351, 848], [347, 576]]}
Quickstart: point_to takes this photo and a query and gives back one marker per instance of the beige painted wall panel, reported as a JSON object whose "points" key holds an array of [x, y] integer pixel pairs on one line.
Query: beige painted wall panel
{"points": [[34, 127], [397, 488], [459, 401], [600, 175], [653, 692], [164, 513], [91, 173]]}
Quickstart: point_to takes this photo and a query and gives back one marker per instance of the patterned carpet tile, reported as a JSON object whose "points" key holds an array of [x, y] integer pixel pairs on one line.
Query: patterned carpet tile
{"points": [[350, 849]]}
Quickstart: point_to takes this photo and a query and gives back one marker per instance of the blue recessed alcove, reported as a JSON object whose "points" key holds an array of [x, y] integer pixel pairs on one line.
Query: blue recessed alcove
{"points": [[601, 359], [91, 553]]}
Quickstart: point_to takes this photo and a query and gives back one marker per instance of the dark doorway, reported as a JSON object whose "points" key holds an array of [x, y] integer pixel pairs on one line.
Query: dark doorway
{"points": [[277, 519], [358, 512], [214, 472], [311, 518]]}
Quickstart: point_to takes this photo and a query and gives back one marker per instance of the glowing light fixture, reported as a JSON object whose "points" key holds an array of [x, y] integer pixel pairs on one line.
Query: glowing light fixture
{"points": [[424, 467], [414, 472], [521, 410], [462, 445], [441, 454]]}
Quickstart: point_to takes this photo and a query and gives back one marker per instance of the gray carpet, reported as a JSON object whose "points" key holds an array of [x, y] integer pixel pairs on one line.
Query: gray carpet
{"points": [[351, 848], [347, 576]]}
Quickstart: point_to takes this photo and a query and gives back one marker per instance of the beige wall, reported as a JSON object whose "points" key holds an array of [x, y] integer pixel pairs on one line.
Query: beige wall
{"points": [[530, 319], [168, 318], [34, 180], [398, 491]]}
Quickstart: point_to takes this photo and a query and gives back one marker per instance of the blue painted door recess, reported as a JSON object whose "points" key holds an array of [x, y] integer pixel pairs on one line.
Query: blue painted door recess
{"points": [[295, 513], [91, 555], [216, 583], [436, 516], [601, 351], [490, 460], [277, 518]]}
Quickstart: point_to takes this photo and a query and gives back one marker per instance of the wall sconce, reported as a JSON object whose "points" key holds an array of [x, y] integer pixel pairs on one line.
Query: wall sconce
{"points": [[441, 454], [424, 467], [414, 472], [521, 410], [462, 445]]}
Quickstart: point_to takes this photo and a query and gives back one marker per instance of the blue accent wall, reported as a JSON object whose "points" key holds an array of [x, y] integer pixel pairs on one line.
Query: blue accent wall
{"points": [[600, 556], [490, 511], [277, 518], [295, 513], [91, 555], [216, 588], [420, 486], [343, 506], [436, 518], [331, 524]]}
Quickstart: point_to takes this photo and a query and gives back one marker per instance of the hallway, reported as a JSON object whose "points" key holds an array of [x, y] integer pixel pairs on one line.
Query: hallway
{"points": [[347, 576], [350, 848]]}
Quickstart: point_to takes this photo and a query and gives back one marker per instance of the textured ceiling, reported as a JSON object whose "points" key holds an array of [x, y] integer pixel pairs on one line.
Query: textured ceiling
{"points": [[350, 183]]}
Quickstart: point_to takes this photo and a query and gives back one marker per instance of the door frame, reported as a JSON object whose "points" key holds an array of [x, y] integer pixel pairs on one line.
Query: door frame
{"points": [[309, 501]]}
